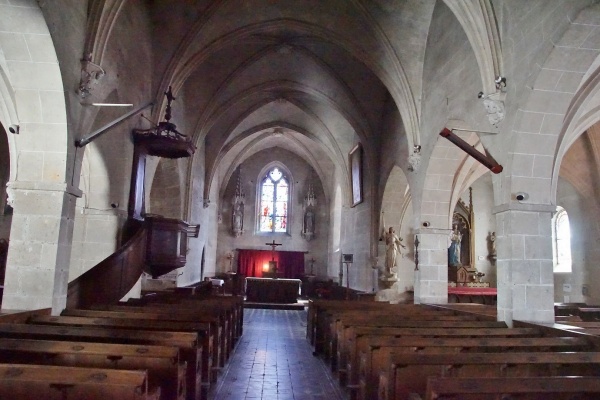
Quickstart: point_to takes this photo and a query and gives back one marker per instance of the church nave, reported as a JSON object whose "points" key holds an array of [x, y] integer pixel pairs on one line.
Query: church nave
{"points": [[274, 361]]}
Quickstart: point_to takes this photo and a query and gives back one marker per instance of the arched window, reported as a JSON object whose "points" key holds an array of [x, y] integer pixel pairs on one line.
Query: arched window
{"points": [[274, 202], [562, 241]]}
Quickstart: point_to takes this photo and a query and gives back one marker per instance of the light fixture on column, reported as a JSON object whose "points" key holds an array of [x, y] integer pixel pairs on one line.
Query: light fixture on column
{"points": [[500, 82], [521, 196]]}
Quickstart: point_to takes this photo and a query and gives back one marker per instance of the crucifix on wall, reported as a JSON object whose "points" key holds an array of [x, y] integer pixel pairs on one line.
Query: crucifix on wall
{"points": [[273, 263]]}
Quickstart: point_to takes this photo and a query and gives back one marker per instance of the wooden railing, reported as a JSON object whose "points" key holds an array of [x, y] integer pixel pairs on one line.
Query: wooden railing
{"points": [[112, 278]]}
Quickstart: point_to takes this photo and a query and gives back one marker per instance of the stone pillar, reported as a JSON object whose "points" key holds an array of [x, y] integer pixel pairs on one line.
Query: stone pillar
{"points": [[431, 280], [524, 264], [37, 268]]}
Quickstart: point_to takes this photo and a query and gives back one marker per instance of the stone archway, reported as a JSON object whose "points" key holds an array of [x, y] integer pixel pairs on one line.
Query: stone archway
{"points": [[5, 210], [32, 98], [525, 242], [397, 213]]}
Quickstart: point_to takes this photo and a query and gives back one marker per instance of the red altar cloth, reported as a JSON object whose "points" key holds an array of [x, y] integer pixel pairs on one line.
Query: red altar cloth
{"points": [[472, 291], [464, 294]]}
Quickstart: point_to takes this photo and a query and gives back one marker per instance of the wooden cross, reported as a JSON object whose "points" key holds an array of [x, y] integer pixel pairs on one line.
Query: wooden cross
{"points": [[273, 246]]}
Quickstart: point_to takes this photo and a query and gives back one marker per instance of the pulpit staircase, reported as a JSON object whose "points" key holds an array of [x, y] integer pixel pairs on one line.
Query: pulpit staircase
{"points": [[152, 243]]}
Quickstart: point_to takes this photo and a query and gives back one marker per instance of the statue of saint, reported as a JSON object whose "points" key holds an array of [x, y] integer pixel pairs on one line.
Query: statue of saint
{"points": [[309, 218], [454, 249], [238, 219], [392, 250]]}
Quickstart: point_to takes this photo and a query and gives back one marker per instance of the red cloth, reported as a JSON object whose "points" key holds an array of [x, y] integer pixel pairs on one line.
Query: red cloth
{"points": [[473, 291], [290, 264]]}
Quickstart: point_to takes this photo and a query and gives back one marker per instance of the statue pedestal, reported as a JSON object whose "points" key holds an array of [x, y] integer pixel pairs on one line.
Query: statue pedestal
{"points": [[396, 293], [387, 282]]}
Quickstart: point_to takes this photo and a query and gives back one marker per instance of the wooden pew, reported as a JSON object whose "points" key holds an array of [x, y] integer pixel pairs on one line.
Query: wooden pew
{"points": [[355, 333], [232, 305], [408, 373], [344, 325], [373, 352], [188, 343], [566, 309], [217, 325], [357, 337], [329, 321], [589, 313], [547, 388], [584, 324], [228, 313], [323, 313], [35, 382], [161, 362], [319, 312], [208, 375]]}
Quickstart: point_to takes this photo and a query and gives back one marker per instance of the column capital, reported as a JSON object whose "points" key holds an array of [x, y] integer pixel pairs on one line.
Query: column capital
{"points": [[514, 206]]}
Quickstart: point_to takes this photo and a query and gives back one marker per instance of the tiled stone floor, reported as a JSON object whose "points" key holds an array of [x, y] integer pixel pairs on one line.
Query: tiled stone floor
{"points": [[274, 361]]}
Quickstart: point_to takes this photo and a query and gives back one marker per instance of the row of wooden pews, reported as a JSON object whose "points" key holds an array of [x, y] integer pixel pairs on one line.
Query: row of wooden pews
{"points": [[164, 346], [578, 317], [383, 351]]}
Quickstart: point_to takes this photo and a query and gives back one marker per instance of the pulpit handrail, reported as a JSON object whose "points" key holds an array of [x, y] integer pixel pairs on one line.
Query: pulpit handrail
{"points": [[111, 279]]}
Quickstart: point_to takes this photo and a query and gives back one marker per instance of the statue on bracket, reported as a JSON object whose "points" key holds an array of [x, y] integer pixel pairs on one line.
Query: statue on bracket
{"points": [[309, 220], [393, 244], [237, 209]]}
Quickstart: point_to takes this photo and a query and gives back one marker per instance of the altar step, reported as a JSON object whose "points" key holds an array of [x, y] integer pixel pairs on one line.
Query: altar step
{"points": [[300, 305]]}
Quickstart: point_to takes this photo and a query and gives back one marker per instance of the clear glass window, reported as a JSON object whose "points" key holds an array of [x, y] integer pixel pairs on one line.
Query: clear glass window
{"points": [[562, 241]]}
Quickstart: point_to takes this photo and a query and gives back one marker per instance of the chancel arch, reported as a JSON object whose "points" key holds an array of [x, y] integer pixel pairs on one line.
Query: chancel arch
{"points": [[300, 175], [296, 139], [344, 117]]}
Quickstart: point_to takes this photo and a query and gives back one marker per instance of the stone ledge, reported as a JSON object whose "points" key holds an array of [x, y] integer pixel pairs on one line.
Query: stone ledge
{"points": [[514, 206], [45, 186]]}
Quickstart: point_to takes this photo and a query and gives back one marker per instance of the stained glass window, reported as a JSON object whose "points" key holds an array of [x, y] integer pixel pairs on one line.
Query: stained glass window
{"points": [[274, 198]]}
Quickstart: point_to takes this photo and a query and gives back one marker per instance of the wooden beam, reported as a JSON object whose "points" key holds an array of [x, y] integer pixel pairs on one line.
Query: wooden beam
{"points": [[484, 159]]}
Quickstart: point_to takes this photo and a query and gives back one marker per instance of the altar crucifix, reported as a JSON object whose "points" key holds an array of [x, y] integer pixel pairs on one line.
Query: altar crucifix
{"points": [[273, 263]]}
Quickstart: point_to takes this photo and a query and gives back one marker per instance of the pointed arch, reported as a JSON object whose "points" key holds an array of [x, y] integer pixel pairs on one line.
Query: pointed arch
{"points": [[478, 19], [397, 83], [102, 15]]}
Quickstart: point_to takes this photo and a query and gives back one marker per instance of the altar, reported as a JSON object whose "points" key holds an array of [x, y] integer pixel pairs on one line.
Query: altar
{"points": [[268, 290], [481, 295]]}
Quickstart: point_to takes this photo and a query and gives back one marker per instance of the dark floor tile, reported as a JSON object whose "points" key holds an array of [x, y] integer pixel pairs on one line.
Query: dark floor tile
{"points": [[273, 361]]}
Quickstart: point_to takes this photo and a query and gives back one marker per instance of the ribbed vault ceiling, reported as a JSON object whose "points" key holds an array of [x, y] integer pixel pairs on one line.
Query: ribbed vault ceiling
{"points": [[278, 77]]}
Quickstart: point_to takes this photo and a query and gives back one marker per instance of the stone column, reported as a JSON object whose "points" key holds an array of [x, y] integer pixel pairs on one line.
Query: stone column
{"points": [[431, 280], [37, 268], [524, 264]]}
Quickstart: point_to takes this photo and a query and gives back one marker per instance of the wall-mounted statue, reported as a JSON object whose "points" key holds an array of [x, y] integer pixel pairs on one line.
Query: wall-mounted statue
{"points": [[454, 249], [237, 209], [392, 251], [309, 220], [492, 247]]}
